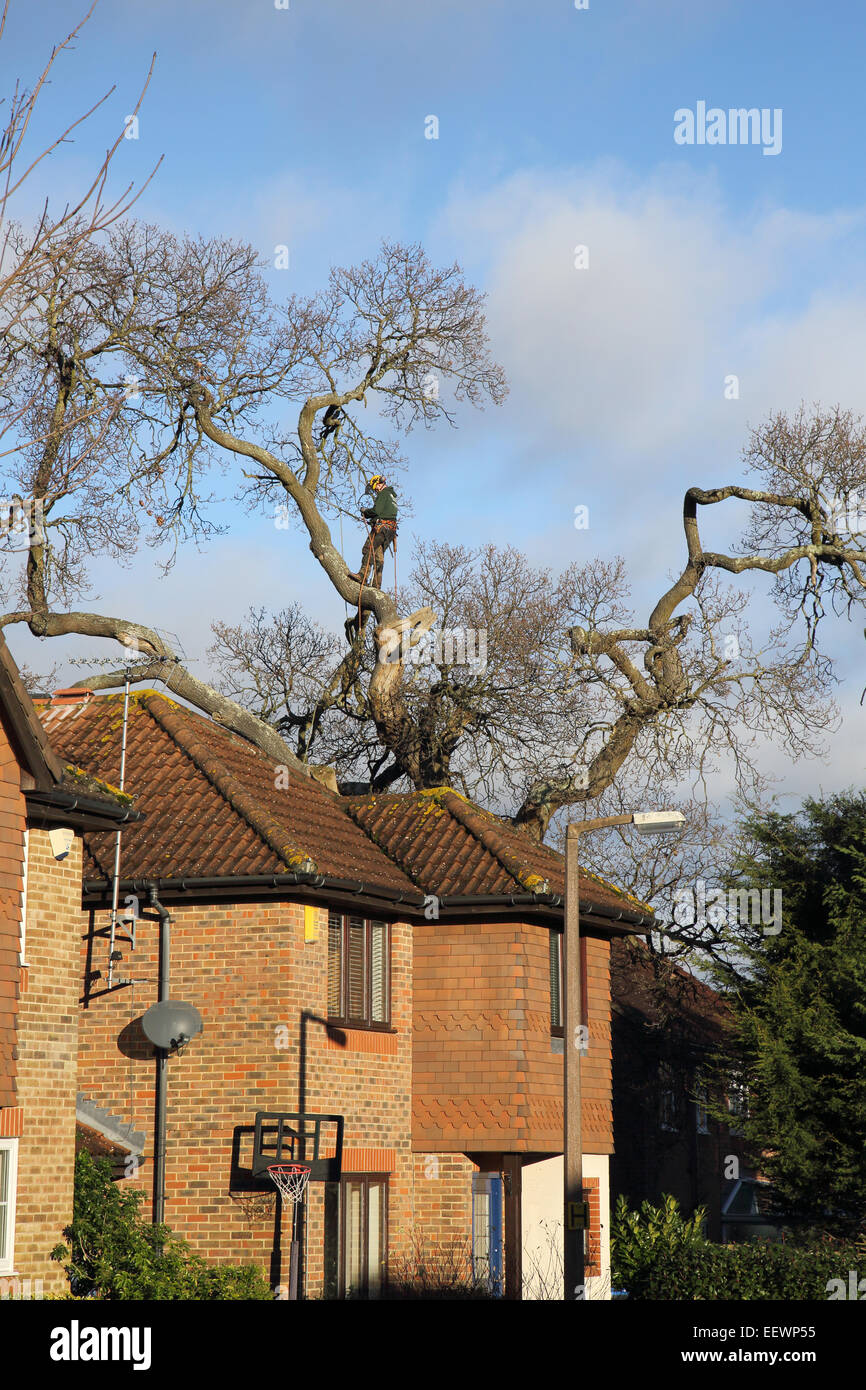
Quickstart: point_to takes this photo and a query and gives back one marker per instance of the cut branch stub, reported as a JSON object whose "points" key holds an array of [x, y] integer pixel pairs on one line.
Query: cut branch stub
{"points": [[390, 637]]}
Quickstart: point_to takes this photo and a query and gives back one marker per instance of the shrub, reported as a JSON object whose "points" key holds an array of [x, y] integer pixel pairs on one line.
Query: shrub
{"points": [[754, 1270], [639, 1239], [657, 1253], [113, 1253], [435, 1270]]}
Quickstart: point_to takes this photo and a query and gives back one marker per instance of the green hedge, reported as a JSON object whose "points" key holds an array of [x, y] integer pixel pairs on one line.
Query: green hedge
{"points": [[757, 1270], [658, 1253], [113, 1253]]}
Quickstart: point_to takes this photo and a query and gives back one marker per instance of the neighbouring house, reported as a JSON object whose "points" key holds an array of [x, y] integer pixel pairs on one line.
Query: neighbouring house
{"points": [[669, 1028], [46, 804], [394, 960]]}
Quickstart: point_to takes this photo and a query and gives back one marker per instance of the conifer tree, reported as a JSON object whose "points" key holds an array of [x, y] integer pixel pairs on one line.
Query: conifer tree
{"points": [[798, 997]]}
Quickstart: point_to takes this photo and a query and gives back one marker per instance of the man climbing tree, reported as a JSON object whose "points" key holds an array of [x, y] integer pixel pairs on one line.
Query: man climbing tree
{"points": [[381, 519]]}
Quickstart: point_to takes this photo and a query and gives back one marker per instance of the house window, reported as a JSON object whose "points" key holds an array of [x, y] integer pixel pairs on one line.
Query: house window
{"points": [[669, 1109], [557, 1004], [356, 1235], [738, 1102], [487, 1231], [23, 944], [359, 971], [8, 1189]]}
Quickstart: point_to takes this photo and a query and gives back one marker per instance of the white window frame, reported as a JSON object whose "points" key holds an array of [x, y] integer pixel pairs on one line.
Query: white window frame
{"points": [[7, 1257], [23, 932]]}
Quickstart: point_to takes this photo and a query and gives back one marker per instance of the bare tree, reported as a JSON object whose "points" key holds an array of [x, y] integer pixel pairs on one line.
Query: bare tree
{"points": [[191, 327], [491, 690], [698, 694], [573, 686], [656, 872], [691, 680], [24, 256]]}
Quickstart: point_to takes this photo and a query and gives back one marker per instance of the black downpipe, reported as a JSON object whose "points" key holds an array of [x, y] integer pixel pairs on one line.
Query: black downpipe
{"points": [[161, 1062]]}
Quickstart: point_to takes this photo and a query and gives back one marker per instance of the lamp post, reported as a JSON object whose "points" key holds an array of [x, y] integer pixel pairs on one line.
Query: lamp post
{"points": [[575, 1217]]}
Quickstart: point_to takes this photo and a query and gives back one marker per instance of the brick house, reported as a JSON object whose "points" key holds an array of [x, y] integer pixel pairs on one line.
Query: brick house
{"points": [[45, 807], [669, 1029], [391, 959]]}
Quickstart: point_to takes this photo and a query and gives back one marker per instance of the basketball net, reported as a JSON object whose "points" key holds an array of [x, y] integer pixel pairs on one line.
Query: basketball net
{"points": [[290, 1179]]}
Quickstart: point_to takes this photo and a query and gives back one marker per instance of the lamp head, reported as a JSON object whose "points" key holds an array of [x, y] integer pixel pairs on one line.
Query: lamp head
{"points": [[658, 822]]}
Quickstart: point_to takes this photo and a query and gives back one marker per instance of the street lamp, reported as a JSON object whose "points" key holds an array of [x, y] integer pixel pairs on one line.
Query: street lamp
{"points": [[574, 1210]]}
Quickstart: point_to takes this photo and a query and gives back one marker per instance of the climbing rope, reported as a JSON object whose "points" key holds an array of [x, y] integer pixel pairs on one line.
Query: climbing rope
{"points": [[370, 557]]}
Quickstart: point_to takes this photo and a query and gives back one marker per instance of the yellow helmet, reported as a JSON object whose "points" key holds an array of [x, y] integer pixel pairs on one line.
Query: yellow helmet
{"points": [[377, 480]]}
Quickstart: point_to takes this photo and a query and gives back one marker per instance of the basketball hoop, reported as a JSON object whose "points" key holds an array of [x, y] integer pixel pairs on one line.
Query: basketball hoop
{"points": [[290, 1180]]}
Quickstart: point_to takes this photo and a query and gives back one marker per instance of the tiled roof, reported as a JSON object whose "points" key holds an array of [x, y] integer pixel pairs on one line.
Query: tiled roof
{"points": [[645, 989], [449, 846], [211, 804], [212, 808]]}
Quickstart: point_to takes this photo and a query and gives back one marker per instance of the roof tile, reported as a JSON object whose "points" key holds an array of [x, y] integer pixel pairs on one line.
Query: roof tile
{"points": [[210, 799]]}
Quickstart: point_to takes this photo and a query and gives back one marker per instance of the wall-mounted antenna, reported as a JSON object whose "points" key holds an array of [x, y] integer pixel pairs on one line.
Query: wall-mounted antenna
{"points": [[142, 662]]}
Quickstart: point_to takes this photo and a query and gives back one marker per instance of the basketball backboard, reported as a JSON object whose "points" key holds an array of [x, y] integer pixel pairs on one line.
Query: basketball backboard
{"points": [[286, 1137]]}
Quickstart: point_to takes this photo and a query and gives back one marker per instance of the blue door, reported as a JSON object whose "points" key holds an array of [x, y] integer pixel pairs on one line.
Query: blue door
{"points": [[487, 1231]]}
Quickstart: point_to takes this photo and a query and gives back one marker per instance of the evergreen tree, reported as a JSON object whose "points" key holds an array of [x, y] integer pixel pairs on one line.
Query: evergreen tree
{"points": [[799, 1004]]}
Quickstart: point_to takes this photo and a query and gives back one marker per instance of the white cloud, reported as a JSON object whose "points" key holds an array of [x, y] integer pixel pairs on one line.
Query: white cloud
{"points": [[631, 354]]}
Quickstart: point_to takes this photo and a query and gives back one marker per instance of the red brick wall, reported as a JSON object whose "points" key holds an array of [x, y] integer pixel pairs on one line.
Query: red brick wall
{"points": [[12, 812], [593, 1239], [47, 1066], [440, 1240], [482, 1047], [249, 971], [486, 1076]]}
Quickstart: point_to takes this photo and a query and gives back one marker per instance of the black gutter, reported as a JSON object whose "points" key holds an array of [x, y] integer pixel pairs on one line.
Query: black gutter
{"points": [[552, 902], [253, 881], [86, 805]]}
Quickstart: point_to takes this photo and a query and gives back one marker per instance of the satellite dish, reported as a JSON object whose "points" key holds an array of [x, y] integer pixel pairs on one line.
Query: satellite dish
{"points": [[171, 1024]]}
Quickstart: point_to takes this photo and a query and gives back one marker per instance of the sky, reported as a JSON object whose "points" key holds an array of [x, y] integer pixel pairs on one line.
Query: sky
{"points": [[306, 124]]}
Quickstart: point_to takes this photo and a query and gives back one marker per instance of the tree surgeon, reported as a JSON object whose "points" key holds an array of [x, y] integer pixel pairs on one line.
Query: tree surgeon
{"points": [[382, 521]]}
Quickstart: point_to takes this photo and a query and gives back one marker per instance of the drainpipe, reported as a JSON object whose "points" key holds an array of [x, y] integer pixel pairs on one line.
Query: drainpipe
{"points": [[161, 1062]]}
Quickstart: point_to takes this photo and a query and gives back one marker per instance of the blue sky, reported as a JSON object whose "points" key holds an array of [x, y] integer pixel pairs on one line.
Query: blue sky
{"points": [[305, 126]]}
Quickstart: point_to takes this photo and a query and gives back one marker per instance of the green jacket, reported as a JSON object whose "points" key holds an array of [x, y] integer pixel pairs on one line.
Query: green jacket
{"points": [[384, 508]]}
